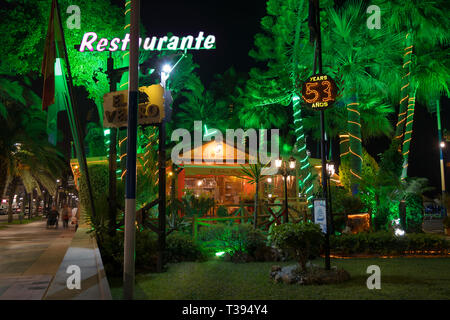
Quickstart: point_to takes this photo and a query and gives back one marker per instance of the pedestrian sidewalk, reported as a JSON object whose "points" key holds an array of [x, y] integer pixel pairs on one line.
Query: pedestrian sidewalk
{"points": [[34, 262], [30, 255]]}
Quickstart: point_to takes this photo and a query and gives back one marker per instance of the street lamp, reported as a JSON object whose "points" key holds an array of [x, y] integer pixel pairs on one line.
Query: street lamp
{"points": [[285, 168]]}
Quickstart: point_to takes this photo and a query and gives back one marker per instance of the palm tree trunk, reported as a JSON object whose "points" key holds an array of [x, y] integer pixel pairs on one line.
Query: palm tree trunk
{"points": [[22, 208], [255, 214], [355, 142], [3, 176], [30, 204], [344, 140], [112, 181], [12, 190], [408, 132], [406, 80]]}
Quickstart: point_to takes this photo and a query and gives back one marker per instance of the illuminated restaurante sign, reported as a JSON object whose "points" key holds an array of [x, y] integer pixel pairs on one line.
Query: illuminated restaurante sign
{"points": [[91, 42]]}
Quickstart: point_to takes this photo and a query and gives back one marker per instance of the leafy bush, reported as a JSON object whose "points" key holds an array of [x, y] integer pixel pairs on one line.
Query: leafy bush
{"points": [[232, 239], [98, 175], [193, 205], [222, 211], [414, 213], [381, 219], [111, 249], [302, 239], [180, 247], [384, 243], [146, 250]]}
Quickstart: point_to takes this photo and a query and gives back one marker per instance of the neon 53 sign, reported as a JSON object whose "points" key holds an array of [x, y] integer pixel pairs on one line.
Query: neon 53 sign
{"points": [[319, 91], [89, 42]]}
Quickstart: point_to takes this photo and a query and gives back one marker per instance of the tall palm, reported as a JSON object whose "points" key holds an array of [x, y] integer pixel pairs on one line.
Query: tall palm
{"points": [[424, 27], [200, 105], [272, 96], [25, 154], [353, 50]]}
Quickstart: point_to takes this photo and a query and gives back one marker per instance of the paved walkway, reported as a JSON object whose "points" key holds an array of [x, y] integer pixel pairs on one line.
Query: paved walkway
{"points": [[30, 255]]}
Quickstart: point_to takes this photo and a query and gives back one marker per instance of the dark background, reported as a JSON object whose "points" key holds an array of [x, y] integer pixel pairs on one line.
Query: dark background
{"points": [[235, 23]]}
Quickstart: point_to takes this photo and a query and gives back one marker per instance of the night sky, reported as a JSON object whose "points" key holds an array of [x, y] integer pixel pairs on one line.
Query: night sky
{"points": [[235, 23]]}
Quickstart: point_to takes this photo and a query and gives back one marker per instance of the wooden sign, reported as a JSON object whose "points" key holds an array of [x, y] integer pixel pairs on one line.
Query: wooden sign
{"points": [[319, 92], [151, 107]]}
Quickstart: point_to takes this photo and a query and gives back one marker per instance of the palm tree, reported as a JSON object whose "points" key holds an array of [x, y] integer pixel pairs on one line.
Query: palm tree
{"points": [[272, 95], [199, 105], [253, 174], [424, 27], [25, 154], [353, 50]]}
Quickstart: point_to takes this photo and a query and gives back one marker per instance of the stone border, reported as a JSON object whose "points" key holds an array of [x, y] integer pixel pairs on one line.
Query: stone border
{"points": [[84, 253]]}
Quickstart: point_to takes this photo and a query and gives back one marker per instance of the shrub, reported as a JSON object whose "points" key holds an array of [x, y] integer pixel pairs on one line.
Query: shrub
{"points": [[222, 211], [384, 243], [180, 247], [232, 239], [111, 249], [302, 239], [146, 250], [381, 219], [98, 175]]}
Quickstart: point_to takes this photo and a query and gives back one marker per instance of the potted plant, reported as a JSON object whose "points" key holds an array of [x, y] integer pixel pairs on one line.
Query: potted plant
{"points": [[446, 223]]}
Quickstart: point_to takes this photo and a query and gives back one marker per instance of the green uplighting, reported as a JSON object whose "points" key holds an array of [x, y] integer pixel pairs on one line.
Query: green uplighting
{"points": [[220, 253], [106, 132], [287, 148]]}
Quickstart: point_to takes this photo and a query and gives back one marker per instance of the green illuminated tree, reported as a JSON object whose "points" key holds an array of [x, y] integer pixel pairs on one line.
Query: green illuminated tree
{"points": [[25, 154], [423, 26], [25, 25], [351, 51], [271, 97]]}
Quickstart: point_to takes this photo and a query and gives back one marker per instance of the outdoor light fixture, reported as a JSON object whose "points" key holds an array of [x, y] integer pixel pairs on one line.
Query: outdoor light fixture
{"points": [[330, 169], [58, 181], [442, 144], [278, 163], [269, 195], [269, 180], [199, 183], [292, 162], [167, 68]]}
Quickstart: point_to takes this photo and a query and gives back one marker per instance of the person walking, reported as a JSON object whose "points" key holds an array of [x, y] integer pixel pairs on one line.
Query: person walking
{"points": [[52, 217], [65, 216], [75, 217]]}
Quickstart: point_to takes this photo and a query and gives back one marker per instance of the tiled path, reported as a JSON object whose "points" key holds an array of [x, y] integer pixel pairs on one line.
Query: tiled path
{"points": [[30, 255]]}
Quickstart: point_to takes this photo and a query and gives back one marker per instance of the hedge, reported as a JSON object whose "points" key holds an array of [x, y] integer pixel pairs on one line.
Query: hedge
{"points": [[386, 243]]}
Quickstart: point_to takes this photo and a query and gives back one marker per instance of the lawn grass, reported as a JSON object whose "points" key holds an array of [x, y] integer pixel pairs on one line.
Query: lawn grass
{"points": [[401, 278]]}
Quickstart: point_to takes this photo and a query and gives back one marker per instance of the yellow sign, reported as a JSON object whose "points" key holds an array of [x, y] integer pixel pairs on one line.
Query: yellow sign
{"points": [[151, 107]]}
